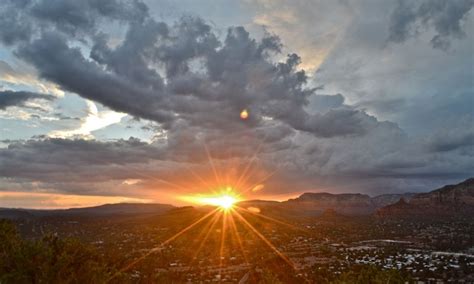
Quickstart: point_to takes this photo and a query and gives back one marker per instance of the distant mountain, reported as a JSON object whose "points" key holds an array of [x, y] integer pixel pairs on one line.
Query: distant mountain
{"points": [[387, 199], [317, 203], [257, 203], [120, 208], [13, 214], [346, 203], [397, 209], [102, 210], [459, 196], [446, 201]]}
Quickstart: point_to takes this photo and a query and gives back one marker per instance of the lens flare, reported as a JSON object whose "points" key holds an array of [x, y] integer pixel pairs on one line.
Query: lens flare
{"points": [[244, 114]]}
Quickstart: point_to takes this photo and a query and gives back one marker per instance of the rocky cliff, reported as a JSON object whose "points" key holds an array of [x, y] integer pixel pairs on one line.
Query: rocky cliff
{"points": [[446, 201]]}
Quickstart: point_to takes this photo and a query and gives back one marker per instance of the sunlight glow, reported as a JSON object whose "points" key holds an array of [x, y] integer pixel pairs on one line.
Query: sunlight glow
{"points": [[225, 192], [224, 201], [225, 196]]}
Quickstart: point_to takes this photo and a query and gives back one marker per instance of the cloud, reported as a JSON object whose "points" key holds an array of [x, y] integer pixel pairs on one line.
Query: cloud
{"points": [[13, 98], [17, 78], [20, 28], [460, 138], [323, 103], [25, 19], [66, 66], [191, 82], [409, 84], [445, 17], [94, 120], [230, 75], [313, 33], [293, 161]]}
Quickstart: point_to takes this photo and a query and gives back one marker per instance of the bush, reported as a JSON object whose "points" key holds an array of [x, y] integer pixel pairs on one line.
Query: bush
{"points": [[48, 260]]}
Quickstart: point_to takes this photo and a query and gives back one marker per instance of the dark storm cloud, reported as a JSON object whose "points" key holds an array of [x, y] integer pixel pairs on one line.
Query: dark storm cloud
{"points": [[75, 16], [384, 105], [384, 154], [461, 139], [66, 66], [22, 19], [100, 168], [445, 17], [45, 159], [129, 59], [208, 81], [16, 27], [13, 98], [322, 103], [191, 83]]}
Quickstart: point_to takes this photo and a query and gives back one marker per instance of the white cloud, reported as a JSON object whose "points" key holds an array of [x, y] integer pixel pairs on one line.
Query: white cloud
{"points": [[22, 77], [310, 32], [94, 120]]}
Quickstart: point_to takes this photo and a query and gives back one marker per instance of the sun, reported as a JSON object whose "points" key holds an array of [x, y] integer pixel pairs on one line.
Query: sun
{"points": [[225, 202]]}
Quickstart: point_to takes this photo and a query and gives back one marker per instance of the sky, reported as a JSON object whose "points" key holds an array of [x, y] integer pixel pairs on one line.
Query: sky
{"points": [[129, 101]]}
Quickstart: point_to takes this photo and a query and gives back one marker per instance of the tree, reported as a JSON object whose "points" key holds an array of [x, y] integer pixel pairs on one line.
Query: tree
{"points": [[48, 260]]}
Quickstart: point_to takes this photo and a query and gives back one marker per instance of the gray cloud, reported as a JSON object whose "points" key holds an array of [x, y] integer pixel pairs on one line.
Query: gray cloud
{"points": [[73, 17], [191, 83], [207, 81], [67, 67], [13, 98], [460, 138], [445, 17], [25, 19], [375, 162], [44, 160], [322, 103], [384, 105]]}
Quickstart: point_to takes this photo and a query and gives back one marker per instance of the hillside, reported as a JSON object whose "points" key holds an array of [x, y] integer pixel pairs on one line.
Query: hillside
{"points": [[317, 203], [446, 201], [101, 210]]}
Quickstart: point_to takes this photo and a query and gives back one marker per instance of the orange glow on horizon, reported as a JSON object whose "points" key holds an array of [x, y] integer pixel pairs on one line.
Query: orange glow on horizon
{"points": [[224, 200], [45, 200]]}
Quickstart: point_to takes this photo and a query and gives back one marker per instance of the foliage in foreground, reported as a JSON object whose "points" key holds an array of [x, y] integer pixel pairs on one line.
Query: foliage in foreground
{"points": [[48, 260]]}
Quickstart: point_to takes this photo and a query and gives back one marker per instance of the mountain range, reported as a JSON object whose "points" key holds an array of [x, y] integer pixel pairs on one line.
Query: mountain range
{"points": [[448, 200], [101, 210]]}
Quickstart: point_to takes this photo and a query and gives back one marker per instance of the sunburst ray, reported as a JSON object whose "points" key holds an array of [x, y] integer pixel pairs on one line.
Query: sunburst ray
{"points": [[208, 231], [160, 247], [264, 239], [271, 219], [236, 235]]}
